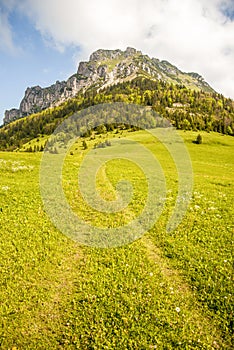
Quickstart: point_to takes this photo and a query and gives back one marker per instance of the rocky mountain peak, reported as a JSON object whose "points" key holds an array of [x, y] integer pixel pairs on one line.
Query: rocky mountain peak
{"points": [[104, 68], [102, 55]]}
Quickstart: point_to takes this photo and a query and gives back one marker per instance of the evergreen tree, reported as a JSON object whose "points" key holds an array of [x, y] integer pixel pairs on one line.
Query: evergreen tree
{"points": [[199, 139]]}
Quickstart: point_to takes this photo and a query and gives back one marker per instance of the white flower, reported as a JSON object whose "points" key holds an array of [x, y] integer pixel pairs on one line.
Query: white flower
{"points": [[22, 167], [212, 208], [151, 274], [177, 309]]}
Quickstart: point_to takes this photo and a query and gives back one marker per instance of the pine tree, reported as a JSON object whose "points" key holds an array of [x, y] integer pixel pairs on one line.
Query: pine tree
{"points": [[199, 139]]}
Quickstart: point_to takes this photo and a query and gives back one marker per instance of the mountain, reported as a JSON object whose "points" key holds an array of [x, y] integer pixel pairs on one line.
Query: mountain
{"points": [[104, 68], [128, 77]]}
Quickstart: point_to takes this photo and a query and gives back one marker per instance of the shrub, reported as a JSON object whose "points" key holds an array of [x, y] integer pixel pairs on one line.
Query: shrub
{"points": [[85, 146], [199, 139]]}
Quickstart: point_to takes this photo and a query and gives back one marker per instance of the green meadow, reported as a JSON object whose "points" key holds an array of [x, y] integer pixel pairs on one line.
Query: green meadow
{"points": [[166, 290]]}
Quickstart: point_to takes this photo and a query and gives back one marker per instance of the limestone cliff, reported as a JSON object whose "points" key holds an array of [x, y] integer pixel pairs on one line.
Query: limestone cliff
{"points": [[104, 68]]}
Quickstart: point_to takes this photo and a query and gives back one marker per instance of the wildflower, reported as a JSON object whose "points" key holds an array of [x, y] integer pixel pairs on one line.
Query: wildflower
{"points": [[151, 274], [177, 309], [212, 208]]}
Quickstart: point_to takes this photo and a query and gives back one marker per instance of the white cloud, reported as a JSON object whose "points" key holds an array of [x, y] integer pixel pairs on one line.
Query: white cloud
{"points": [[193, 34], [6, 31], [6, 40]]}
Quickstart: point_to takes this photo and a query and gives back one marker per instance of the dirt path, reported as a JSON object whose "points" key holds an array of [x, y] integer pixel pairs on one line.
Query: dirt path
{"points": [[182, 292]]}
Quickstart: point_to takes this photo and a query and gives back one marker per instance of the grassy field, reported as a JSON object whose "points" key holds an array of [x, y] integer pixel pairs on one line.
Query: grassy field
{"points": [[167, 290]]}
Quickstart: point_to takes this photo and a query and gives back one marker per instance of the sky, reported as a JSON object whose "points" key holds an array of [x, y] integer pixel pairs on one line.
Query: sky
{"points": [[43, 41]]}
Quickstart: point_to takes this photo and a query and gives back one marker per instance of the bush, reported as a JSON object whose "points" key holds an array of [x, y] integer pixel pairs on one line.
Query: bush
{"points": [[199, 139], [108, 143], [84, 143]]}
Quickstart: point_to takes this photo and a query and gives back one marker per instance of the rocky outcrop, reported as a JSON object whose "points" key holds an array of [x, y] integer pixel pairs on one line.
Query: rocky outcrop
{"points": [[11, 115], [36, 98], [104, 68]]}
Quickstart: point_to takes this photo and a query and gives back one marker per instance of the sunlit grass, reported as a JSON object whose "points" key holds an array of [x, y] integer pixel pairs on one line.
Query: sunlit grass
{"points": [[165, 291]]}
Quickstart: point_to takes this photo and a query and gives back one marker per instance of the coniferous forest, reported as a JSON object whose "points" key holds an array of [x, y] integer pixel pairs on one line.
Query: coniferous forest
{"points": [[186, 109]]}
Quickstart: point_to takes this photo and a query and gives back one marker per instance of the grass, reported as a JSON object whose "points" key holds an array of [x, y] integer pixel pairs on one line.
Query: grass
{"points": [[167, 290], [34, 144]]}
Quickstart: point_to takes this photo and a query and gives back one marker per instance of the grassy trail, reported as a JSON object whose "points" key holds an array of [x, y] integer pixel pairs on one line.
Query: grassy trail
{"points": [[164, 291]]}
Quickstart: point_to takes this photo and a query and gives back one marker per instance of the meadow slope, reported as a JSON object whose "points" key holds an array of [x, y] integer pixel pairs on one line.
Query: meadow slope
{"points": [[167, 290]]}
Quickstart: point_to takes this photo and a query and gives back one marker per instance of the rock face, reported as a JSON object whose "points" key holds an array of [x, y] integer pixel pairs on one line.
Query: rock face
{"points": [[11, 115], [104, 68]]}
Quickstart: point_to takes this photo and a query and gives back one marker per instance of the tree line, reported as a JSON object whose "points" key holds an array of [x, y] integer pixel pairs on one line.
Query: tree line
{"points": [[186, 109]]}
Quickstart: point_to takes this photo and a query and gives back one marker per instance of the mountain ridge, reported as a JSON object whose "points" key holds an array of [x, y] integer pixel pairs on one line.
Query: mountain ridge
{"points": [[183, 108], [104, 68]]}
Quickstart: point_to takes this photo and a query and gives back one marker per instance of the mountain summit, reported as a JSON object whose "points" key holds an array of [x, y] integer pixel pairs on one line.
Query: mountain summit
{"points": [[104, 68]]}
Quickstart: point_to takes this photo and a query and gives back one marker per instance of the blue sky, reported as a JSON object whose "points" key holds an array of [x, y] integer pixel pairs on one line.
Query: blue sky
{"points": [[43, 41], [32, 62]]}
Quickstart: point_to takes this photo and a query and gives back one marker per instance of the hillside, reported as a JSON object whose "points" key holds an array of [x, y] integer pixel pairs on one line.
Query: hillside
{"points": [[167, 290], [186, 109], [104, 68]]}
